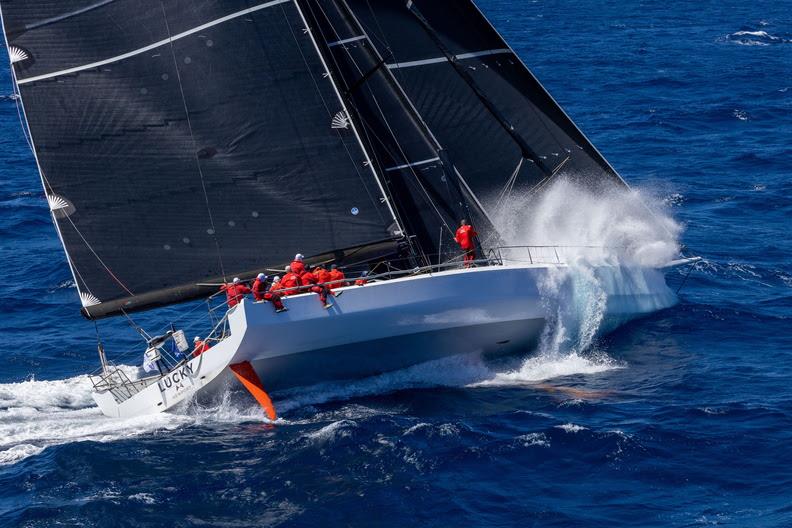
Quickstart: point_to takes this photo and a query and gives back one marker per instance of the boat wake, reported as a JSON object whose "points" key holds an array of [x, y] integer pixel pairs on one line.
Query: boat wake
{"points": [[35, 415]]}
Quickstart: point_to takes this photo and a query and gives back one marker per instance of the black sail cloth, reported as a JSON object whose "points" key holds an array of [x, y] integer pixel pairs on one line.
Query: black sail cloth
{"points": [[184, 141], [476, 96], [429, 195]]}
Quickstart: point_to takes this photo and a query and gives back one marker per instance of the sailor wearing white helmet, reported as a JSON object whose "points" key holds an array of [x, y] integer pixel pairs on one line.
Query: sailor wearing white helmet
{"points": [[199, 346], [259, 287], [297, 265], [235, 292]]}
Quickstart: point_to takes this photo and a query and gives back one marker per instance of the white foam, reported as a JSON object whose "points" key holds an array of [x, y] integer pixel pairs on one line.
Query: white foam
{"points": [[534, 439], [614, 229], [571, 428], [35, 415]]}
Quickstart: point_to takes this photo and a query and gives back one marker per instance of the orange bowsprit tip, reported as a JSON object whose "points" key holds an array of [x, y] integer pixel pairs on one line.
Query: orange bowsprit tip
{"points": [[248, 377]]}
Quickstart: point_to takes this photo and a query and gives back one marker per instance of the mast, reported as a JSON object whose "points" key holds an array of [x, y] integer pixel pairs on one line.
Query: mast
{"points": [[427, 188], [351, 121], [502, 128]]}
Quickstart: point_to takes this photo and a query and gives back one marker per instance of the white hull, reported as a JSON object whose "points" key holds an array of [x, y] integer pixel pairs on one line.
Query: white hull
{"points": [[390, 325], [397, 323]]}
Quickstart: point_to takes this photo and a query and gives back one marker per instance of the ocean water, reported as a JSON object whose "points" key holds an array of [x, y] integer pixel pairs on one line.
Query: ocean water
{"points": [[683, 418]]}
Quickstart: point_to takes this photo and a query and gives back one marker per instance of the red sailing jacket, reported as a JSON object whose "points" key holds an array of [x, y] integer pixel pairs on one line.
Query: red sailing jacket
{"points": [[234, 293], [464, 237], [336, 275], [308, 278], [289, 282], [322, 275], [297, 267], [200, 348], [259, 289]]}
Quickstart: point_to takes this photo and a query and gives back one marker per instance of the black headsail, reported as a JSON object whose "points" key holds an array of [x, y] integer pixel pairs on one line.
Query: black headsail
{"points": [[181, 142], [430, 195], [499, 125]]}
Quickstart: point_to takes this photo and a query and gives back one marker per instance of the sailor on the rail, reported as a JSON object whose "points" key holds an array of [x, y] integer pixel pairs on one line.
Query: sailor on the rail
{"points": [[465, 237], [297, 265], [261, 293], [335, 276], [235, 292], [363, 279], [290, 282], [309, 278]]}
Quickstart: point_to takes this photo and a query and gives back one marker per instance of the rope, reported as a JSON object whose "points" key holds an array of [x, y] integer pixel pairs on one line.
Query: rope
{"points": [[684, 281], [195, 143]]}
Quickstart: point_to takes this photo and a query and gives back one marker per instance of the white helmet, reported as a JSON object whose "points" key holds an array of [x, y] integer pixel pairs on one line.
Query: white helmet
{"points": [[236, 280], [261, 277], [298, 257], [197, 338], [276, 279], [287, 269]]}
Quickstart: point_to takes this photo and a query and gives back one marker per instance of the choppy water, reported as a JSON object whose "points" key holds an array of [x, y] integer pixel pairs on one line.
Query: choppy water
{"points": [[679, 419]]}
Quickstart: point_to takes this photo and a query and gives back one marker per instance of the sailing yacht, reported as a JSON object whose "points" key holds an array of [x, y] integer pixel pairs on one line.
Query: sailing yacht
{"points": [[184, 143]]}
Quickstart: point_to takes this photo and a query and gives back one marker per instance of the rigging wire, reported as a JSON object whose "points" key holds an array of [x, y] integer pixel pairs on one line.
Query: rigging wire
{"points": [[330, 113], [48, 187], [195, 143], [382, 114]]}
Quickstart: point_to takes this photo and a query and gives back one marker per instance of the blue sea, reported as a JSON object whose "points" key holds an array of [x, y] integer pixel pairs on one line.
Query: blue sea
{"points": [[682, 418]]}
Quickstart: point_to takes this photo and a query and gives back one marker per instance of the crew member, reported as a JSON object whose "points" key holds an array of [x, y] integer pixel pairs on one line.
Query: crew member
{"points": [[274, 296], [259, 287], [321, 274], [199, 346], [235, 292], [297, 265], [465, 237], [334, 276], [309, 278], [363, 279], [290, 282]]}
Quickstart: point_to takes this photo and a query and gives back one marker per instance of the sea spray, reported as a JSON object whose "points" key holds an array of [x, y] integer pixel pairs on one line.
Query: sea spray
{"points": [[611, 242]]}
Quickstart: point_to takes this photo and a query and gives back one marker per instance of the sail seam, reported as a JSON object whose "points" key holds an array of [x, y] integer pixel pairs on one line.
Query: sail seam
{"points": [[155, 45], [345, 41], [413, 164], [351, 121], [437, 60]]}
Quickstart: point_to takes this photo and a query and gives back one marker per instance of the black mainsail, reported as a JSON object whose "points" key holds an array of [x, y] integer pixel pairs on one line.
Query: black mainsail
{"points": [[180, 142], [184, 142]]}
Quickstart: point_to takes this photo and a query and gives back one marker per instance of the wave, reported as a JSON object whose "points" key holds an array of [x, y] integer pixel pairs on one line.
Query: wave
{"points": [[755, 38], [35, 415]]}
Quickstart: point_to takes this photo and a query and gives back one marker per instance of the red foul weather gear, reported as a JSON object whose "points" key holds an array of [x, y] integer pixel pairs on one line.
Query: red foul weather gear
{"points": [[259, 289], [361, 282], [336, 275], [200, 348], [297, 267], [323, 275], [234, 293], [308, 278], [275, 299], [470, 256], [464, 237], [290, 282], [323, 292]]}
